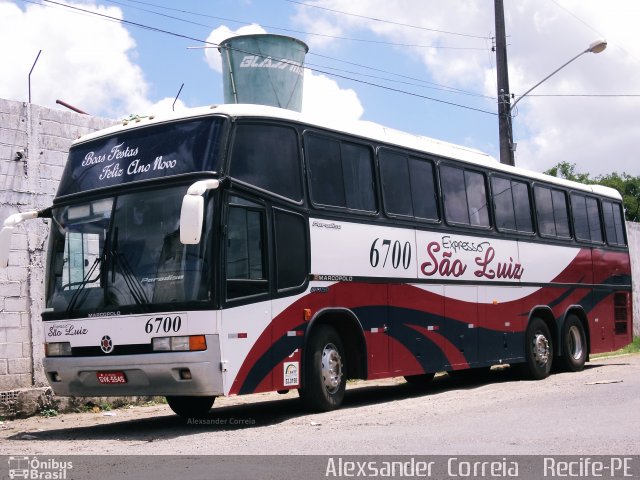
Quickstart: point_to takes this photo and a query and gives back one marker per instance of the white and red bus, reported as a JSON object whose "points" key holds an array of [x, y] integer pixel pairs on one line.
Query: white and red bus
{"points": [[240, 249]]}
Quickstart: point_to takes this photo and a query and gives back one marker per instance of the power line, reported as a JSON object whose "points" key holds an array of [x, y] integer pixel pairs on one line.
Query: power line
{"points": [[422, 82], [577, 18], [436, 86], [407, 93], [386, 21], [592, 28], [288, 30], [594, 95], [187, 37]]}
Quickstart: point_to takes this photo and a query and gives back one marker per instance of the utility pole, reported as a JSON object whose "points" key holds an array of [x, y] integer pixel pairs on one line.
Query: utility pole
{"points": [[504, 101]]}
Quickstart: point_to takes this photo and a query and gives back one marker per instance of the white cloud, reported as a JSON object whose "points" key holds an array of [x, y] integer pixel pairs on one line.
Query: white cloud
{"points": [[324, 99], [599, 135], [165, 105], [95, 74], [217, 36]]}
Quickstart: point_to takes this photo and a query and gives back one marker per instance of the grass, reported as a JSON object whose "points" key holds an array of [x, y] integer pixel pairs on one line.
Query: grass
{"points": [[633, 347]]}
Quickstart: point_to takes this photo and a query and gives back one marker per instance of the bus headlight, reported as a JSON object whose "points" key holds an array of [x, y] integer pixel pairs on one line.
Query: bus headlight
{"points": [[191, 343], [57, 349]]}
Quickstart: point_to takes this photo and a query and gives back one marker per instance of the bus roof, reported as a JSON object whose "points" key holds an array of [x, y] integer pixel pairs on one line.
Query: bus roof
{"points": [[364, 129]]}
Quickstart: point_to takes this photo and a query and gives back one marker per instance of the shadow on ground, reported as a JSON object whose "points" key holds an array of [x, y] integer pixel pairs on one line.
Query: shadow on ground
{"points": [[271, 412]]}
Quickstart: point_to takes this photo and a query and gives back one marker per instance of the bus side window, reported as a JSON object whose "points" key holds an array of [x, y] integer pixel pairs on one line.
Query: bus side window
{"points": [[357, 165], [291, 249], [408, 185], [586, 218], [613, 221], [423, 189], [267, 156], [340, 173], [512, 205], [551, 207], [465, 196], [246, 271], [394, 172], [325, 171]]}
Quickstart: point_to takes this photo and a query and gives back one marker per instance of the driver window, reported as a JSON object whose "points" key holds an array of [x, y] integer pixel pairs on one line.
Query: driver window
{"points": [[246, 271]]}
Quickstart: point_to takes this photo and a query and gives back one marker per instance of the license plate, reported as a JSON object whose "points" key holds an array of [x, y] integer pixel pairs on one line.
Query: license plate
{"points": [[111, 377]]}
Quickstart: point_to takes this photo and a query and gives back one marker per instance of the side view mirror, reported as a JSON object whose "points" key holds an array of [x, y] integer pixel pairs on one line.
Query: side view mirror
{"points": [[192, 212], [7, 230], [191, 217]]}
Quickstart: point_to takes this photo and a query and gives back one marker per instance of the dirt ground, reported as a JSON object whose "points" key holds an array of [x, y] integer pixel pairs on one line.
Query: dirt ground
{"points": [[591, 412]]}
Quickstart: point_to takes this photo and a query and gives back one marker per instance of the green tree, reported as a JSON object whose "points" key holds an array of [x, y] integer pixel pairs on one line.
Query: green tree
{"points": [[627, 185]]}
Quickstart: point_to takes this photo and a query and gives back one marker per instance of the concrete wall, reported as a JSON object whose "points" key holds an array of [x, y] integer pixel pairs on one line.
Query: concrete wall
{"points": [[33, 148], [633, 233], [29, 182]]}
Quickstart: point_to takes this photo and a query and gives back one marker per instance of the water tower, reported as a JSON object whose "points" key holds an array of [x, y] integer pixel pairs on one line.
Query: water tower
{"points": [[263, 69]]}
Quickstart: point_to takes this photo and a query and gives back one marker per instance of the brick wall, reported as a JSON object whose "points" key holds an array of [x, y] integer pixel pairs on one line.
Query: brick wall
{"points": [[33, 148]]}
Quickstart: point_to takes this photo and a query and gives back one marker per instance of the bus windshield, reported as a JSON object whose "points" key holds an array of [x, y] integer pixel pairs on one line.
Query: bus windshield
{"points": [[125, 251]]}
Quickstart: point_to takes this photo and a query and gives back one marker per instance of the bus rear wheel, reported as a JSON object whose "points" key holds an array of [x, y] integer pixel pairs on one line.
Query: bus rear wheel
{"points": [[574, 345], [190, 407], [538, 350], [324, 368]]}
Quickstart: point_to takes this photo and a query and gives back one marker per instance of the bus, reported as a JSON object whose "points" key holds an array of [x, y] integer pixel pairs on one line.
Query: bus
{"points": [[237, 249]]}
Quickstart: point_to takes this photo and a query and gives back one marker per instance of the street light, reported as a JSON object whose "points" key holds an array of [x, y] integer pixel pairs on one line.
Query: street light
{"points": [[596, 47]]}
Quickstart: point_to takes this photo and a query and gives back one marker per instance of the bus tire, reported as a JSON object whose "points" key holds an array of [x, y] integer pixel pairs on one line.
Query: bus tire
{"points": [[420, 380], [324, 368], [190, 407], [538, 350], [574, 345]]}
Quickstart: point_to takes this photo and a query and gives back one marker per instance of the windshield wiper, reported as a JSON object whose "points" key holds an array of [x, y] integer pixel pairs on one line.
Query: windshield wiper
{"points": [[130, 279], [83, 284]]}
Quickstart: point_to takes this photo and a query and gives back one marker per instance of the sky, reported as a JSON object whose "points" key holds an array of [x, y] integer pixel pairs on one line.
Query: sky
{"points": [[421, 66]]}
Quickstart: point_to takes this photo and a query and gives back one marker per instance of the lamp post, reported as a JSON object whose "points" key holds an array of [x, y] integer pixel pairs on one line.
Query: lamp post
{"points": [[596, 47]]}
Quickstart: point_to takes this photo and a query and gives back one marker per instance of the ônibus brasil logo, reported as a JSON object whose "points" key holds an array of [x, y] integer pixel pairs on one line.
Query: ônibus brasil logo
{"points": [[33, 467]]}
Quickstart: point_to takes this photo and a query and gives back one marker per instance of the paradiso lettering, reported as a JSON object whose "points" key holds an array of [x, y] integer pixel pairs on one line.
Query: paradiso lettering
{"points": [[445, 260]]}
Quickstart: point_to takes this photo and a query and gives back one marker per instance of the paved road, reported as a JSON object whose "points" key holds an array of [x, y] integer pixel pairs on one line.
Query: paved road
{"points": [[593, 412]]}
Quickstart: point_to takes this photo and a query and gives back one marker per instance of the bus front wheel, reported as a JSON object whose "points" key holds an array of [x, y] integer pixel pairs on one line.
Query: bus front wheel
{"points": [[538, 350], [574, 345], [324, 368], [190, 407]]}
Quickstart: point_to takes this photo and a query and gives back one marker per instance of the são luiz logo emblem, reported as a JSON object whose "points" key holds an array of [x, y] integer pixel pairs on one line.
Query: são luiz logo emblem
{"points": [[106, 344]]}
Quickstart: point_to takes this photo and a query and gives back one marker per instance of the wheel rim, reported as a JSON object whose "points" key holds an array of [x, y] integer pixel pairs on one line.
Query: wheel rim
{"points": [[575, 343], [540, 349], [331, 368]]}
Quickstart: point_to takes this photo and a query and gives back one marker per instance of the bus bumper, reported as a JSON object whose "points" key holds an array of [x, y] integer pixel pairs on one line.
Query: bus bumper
{"points": [[145, 374]]}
